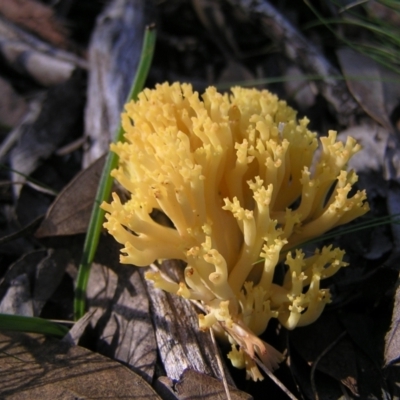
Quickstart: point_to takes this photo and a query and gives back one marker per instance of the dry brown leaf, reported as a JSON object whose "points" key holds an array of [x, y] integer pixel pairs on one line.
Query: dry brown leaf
{"points": [[122, 321], [392, 340], [364, 80], [36, 17], [193, 384], [36, 368], [70, 212], [380, 11], [339, 362]]}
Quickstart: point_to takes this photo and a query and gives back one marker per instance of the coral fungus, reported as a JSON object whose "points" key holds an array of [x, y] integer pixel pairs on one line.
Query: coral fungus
{"points": [[243, 184]]}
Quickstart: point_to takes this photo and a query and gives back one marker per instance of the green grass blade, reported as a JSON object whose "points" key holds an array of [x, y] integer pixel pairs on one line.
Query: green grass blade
{"points": [[279, 79], [104, 189], [343, 230], [383, 32], [30, 179], [31, 324]]}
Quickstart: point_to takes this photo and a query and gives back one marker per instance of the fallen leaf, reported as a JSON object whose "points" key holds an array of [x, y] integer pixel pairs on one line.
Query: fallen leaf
{"points": [[36, 368], [121, 322], [71, 210], [392, 340], [312, 341], [193, 384], [364, 80], [324, 386]]}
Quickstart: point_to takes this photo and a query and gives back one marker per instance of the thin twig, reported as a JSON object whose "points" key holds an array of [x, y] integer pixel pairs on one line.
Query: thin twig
{"points": [[220, 365], [275, 379], [22, 232]]}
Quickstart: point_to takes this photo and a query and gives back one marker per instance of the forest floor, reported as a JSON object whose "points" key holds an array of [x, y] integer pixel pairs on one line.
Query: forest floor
{"points": [[66, 67]]}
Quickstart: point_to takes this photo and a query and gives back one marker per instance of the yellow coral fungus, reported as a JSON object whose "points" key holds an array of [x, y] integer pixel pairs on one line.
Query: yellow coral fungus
{"points": [[237, 176]]}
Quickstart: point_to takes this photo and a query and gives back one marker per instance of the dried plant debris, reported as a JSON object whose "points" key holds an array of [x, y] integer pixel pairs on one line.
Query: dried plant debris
{"points": [[192, 383], [30, 282], [190, 348], [37, 368], [37, 18], [121, 326], [313, 58], [60, 114], [30, 56], [12, 106], [114, 52], [392, 347], [70, 212], [370, 92], [303, 52]]}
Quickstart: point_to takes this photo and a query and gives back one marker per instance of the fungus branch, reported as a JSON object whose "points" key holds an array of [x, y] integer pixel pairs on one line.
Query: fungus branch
{"points": [[226, 169]]}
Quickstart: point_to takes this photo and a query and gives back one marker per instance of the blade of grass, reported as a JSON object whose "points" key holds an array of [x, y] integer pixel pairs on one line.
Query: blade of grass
{"points": [[326, 23], [104, 189], [383, 32], [342, 230], [279, 79], [31, 324], [41, 185]]}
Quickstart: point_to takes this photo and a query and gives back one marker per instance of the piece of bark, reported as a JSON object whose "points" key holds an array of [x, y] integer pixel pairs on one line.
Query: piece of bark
{"points": [[114, 54], [301, 51], [180, 342], [32, 57]]}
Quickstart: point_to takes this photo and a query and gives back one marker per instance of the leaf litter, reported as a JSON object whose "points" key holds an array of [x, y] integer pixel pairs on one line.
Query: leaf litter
{"points": [[128, 320]]}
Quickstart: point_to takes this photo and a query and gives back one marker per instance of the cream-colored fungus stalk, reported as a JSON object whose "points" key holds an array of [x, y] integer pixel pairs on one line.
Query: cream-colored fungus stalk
{"points": [[236, 175]]}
